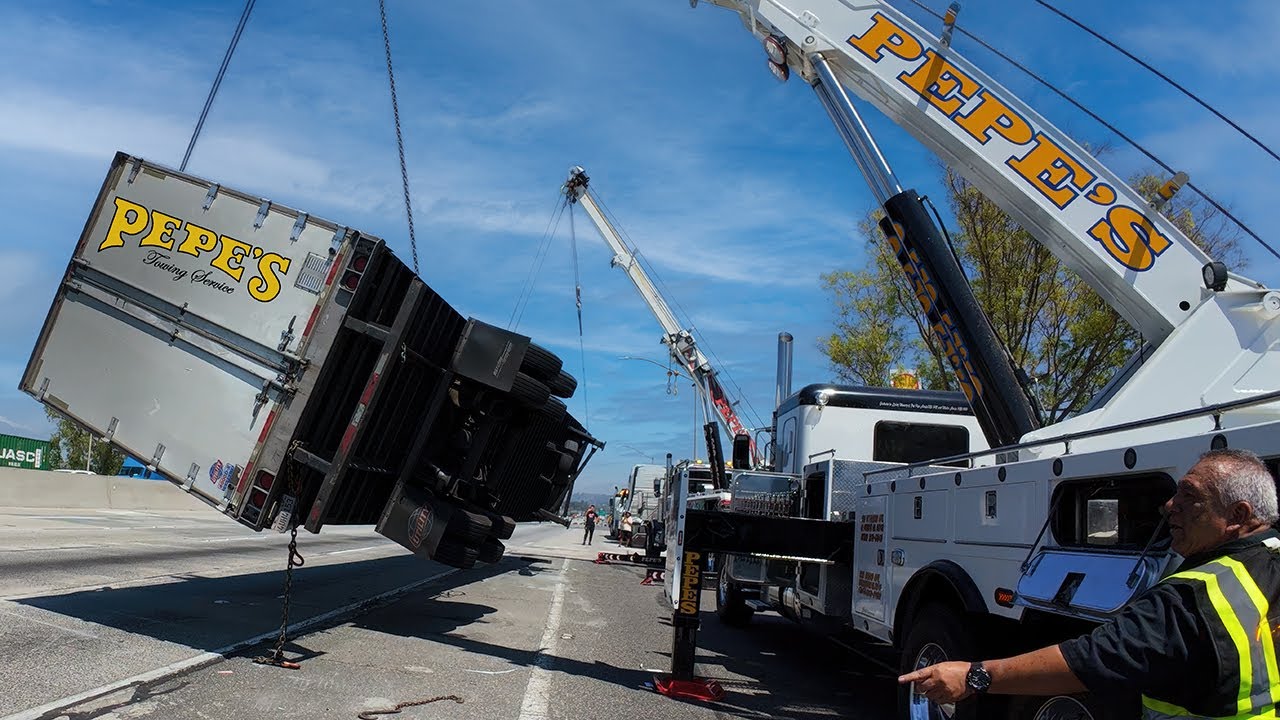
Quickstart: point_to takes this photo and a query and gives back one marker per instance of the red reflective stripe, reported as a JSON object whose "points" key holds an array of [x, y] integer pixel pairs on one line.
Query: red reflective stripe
{"points": [[244, 478], [368, 389], [311, 321], [333, 269], [266, 427]]}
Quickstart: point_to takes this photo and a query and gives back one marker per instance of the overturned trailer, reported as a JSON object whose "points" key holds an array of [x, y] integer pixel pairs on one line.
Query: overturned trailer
{"points": [[293, 372]]}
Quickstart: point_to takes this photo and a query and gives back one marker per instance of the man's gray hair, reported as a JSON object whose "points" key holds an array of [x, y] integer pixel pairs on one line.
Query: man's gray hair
{"points": [[1243, 476]]}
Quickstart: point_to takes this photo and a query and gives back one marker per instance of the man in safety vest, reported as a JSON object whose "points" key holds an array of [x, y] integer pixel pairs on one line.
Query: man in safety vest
{"points": [[1201, 643]]}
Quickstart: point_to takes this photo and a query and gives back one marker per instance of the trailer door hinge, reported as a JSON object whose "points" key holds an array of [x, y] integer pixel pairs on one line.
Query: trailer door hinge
{"points": [[298, 226], [263, 210], [111, 429], [155, 458], [208, 198], [191, 477]]}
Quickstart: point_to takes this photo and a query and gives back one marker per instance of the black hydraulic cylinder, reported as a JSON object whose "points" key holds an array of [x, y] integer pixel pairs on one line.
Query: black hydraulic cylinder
{"points": [[715, 455], [978, 358]]}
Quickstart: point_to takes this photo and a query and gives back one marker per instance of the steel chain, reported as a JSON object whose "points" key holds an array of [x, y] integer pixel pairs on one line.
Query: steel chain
{"points": [[295, 560], [369, 714], [395, 111]]}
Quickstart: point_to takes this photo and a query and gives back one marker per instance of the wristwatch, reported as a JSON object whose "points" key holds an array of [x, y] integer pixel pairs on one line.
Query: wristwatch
{"points": [[977, 679]]}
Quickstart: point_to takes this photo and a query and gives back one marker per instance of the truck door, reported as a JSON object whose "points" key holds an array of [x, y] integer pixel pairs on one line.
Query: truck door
{"points": [[870, 546]]}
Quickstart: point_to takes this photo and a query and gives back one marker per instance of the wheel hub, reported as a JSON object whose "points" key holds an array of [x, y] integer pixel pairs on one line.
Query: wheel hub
{"points": [[920, 707]]}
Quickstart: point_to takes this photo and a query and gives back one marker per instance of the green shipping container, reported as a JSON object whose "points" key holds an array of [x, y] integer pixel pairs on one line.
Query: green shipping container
{"points": [[20, 452]]}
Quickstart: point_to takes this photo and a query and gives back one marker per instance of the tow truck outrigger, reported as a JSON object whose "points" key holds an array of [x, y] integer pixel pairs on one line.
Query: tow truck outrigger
{"points": [[1055, 527]]}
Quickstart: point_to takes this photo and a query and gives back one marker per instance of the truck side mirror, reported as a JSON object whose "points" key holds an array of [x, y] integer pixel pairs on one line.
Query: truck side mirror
{"points": [[657, 486]]}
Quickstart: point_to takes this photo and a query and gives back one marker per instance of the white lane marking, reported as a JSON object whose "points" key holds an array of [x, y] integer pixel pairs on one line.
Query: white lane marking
{"points": [[81, 633], [537, 694], [359, 549], [209, 658], [490, 672]]}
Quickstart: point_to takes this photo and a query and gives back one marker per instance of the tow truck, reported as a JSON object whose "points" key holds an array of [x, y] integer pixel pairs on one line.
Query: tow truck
{"points": [[1034, 534]]}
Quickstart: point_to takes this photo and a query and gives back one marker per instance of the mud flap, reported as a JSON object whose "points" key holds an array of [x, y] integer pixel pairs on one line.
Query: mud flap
{"points": [[415, 519]]}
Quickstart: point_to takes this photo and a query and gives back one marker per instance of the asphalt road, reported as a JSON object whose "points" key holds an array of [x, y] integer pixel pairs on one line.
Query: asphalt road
{"points": [[115, 614]]}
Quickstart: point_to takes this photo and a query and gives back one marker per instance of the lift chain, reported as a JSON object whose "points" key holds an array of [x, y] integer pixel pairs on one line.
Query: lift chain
{"points": [[369, 714], [295, 560]]}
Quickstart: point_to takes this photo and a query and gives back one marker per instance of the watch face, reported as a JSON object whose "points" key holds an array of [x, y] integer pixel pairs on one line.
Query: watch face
{"points": [[978, 678]]}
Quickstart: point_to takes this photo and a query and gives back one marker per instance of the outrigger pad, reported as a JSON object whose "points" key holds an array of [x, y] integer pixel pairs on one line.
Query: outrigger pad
{"points": [[695, 689]]}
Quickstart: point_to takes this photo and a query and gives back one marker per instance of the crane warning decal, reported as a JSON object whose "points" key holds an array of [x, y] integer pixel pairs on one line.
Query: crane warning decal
{"points": [[220, 259], [1123, 232]]}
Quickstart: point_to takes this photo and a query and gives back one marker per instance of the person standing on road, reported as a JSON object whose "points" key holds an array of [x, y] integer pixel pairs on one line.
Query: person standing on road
{"points": [[1200, 643], [589, 523], [624, 538]]}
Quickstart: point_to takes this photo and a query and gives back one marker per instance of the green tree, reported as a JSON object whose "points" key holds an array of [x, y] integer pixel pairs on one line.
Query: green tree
{"points": [[1053, 325], [69, 447]]}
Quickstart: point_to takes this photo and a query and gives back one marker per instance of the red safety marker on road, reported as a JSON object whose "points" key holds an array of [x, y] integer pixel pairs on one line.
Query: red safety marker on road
{"points": [[704, 689]]}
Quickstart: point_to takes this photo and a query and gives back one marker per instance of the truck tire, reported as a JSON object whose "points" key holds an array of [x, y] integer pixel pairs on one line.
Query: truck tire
{"points": [[503, 525], [529, 392], [731, 606], [467, 528], [491, 551], [540, 363], [563, 385], [939, 633], [554, 410], [455, 554]]}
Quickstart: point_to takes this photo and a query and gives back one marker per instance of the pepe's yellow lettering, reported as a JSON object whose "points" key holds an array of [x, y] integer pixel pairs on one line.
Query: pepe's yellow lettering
{"points": [[993, 117], [1128, 236], [944, 85], [266, 286], [230, 256], [884, 35], [162, 228], [199, 240], [1053, 171], [130, 218]]}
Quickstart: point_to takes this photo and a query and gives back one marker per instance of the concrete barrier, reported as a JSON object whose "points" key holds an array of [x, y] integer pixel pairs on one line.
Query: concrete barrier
{"points": [[48, 489]]}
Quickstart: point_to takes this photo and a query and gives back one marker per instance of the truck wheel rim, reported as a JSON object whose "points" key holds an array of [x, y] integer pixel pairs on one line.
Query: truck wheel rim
{"points": [[920, 707], [1063, 708]]}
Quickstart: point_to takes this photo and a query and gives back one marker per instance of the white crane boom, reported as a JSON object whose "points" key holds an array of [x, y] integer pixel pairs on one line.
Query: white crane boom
{"points": [[679, 341]]}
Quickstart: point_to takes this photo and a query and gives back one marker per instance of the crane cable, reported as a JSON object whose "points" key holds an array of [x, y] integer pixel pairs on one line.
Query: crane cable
{"points": [[684, 317], [539, 257], [577, 300], [395, 111], [1119, 133], [1162, 76], [217, 82]]}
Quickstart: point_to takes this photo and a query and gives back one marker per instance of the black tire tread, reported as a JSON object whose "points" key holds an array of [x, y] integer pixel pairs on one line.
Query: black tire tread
{"points": [[528, 391], [455, 554], [563, 385], [540, 363], [491, 551]]}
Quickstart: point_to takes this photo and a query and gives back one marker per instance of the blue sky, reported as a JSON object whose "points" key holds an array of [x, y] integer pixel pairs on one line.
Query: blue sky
{"points": [[734, 187]]}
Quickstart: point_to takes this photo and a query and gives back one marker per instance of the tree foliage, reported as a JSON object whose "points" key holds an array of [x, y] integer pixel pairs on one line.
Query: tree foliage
{"points": [[69, 447], [1066, 338]]}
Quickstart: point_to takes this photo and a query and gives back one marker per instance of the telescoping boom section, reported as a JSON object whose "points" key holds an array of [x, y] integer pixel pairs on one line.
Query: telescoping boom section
{"points": [[681, 343]]}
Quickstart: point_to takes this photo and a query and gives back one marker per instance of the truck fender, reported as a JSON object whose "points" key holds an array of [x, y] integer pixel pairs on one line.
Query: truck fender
{"points": [[940, 581]]}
